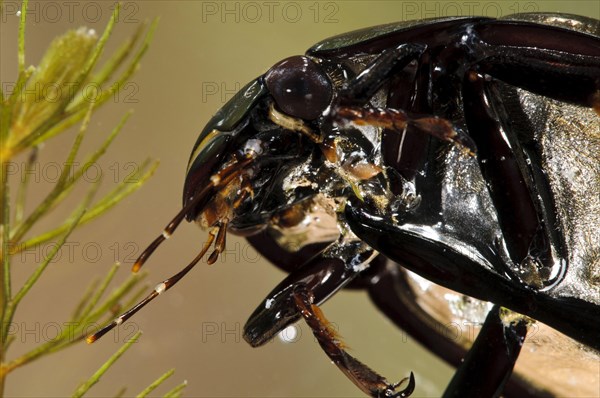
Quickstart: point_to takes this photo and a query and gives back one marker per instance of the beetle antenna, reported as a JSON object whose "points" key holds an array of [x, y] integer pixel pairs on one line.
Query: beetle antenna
{"points": [[170, 228], [160, 288], [219, 179]]}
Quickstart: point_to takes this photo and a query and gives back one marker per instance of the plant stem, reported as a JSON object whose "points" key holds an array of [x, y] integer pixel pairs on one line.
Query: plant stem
{"points": [[96, 376], [155, 384], [5, 258], [21, 54]]}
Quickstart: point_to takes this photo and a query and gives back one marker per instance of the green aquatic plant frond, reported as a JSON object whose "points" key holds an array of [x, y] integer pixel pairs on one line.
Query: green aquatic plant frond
{"points": [[31, 115]]}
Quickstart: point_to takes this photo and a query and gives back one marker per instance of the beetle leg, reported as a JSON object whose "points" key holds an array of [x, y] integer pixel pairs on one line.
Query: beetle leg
{"points": [[364, 86], [361, 375], [559, 63], [409, 90], [490, 361], [323, 275], [442, 264], [501, 165], [317, 280], [398, 121], [349, 107], [393, 295], [504, 162]]}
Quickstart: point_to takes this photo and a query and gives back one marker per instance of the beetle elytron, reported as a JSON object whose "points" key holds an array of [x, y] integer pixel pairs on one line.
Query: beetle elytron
{"points": [[467, 150]]}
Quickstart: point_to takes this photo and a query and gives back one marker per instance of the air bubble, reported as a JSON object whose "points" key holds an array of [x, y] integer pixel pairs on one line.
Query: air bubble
{"points": [[289, 334]]}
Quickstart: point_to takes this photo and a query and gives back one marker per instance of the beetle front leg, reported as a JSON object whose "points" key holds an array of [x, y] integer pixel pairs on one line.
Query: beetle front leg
{"points": [[323, 275], [398, 121], [361, 375], [298, 295], [440, 263]]}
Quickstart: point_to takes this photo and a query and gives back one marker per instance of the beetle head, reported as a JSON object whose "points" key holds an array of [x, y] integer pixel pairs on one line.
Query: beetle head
{"points": [[272, 154]]}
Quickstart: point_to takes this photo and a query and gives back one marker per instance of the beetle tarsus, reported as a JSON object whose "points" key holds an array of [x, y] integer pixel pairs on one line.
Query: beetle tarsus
{"points": [[360, 374]]}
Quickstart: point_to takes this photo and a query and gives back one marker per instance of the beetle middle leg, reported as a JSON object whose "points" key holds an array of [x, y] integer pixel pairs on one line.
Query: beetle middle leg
{"points": [[350, 105]]}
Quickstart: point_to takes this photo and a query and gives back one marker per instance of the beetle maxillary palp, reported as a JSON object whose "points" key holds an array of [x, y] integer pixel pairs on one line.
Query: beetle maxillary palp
{"points": [[329, 149], [225, 176], [159, 289], [219, 243], [245, 191], [169, 229]]}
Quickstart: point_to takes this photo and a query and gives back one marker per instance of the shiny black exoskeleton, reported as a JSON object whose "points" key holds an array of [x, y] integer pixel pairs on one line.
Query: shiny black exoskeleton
{"points": [[465, 150]]}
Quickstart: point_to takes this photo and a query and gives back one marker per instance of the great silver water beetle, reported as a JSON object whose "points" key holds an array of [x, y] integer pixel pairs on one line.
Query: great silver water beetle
{"points": [[466, 150]]}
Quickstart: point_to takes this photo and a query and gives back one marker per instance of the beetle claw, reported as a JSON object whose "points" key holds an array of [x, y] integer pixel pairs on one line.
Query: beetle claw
{"points": [[406, 392]]}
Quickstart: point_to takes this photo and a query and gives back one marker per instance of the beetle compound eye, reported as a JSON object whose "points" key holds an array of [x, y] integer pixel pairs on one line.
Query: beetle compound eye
{"points": [[299, 86]]}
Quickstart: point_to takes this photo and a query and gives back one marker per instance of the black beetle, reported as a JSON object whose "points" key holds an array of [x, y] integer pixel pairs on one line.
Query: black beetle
{"points": [[436, 145]]}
